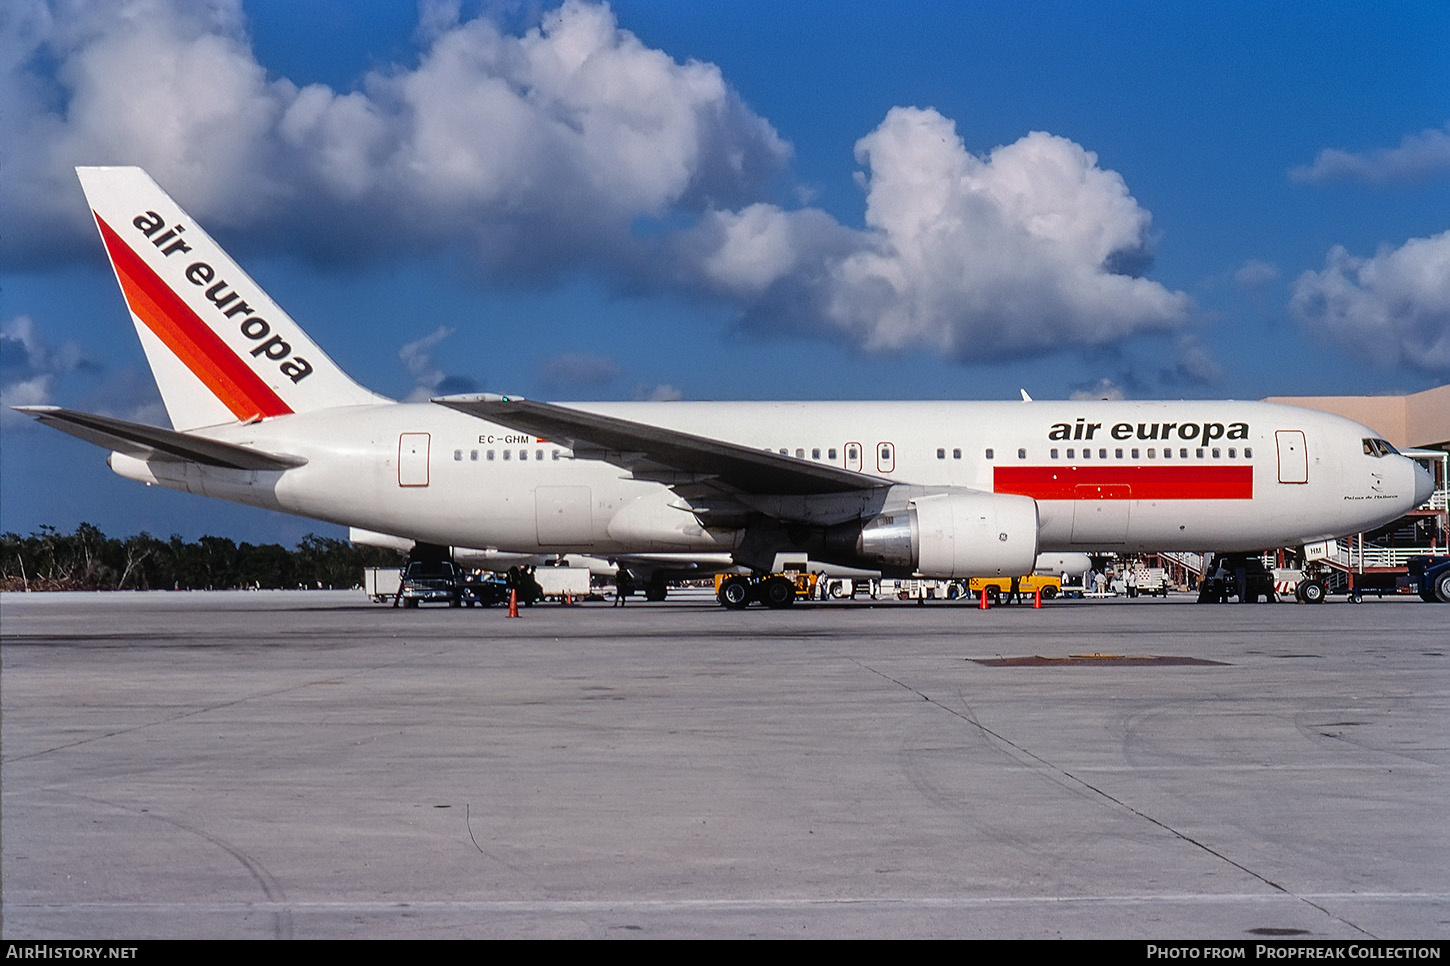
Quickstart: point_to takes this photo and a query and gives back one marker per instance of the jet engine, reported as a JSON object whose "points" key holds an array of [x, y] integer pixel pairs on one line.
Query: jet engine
{"points": [[957, 533]]}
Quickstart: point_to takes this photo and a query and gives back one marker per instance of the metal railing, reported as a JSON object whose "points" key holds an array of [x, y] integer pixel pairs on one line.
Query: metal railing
{"points": [[1189, 561], [1357, 558]]}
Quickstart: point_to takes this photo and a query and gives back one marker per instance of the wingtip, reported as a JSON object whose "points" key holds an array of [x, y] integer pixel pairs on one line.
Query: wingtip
{"points": [[473, 397]]}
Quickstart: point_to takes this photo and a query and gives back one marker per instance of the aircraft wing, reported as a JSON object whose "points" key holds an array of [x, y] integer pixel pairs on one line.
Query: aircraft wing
{"points": [[665, 455], [152, 442]]}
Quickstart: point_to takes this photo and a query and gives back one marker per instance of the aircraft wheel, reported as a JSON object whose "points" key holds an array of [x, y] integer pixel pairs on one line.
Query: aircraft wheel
{"points": [[735, 593], [1314, 592], [1442, 588], [777, 592]]}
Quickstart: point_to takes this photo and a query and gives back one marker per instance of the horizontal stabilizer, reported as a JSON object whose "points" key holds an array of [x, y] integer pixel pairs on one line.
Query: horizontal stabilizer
{"points": [[153, 443], [655, 452]]}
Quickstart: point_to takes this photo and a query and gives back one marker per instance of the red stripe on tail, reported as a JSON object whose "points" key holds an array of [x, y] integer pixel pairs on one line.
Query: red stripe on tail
{"points": [[174, 322]]}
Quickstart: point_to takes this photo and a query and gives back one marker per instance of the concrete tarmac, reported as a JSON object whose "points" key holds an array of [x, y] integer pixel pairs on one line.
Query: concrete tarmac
{"points": [[308, 764]]}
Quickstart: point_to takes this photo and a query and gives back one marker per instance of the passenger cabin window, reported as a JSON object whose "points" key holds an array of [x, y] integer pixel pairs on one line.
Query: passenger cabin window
{"points": [[831, 453], [1022, 454], [1053, 453], [458, 455], [989, 454], [816, 453], [956, 454], [941, 453]]}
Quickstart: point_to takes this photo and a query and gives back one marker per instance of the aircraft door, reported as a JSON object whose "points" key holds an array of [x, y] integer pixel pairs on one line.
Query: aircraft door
{"points": [[563, 516], [885, 457], [1100, 513], [1293, 456], [413, 459]]}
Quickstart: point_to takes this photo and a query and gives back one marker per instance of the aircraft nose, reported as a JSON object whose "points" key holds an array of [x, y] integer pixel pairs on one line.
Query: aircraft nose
{"points": [[1424, 484]]}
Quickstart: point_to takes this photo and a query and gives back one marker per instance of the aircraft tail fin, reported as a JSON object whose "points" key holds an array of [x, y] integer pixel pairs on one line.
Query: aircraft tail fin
{"points": [[220, 349]]}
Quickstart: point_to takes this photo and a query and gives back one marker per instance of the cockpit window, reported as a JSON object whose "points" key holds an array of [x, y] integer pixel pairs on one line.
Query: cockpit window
{"points": [[1377, 447]]}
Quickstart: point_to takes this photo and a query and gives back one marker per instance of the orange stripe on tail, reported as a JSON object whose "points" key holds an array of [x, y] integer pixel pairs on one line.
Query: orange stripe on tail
{"points": [[174, 322]]}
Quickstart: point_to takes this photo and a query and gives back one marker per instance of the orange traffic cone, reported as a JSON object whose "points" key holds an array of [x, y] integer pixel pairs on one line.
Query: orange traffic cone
{"points": [[1037, 599], [984, 605], [513, 603]]}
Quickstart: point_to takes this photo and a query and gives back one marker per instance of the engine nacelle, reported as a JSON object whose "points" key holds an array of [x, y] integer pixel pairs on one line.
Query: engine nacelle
{"points": [[955, 534]]}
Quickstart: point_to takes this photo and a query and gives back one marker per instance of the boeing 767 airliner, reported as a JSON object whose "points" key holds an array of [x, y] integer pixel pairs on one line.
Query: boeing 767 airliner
{"points": [[260, 415]]}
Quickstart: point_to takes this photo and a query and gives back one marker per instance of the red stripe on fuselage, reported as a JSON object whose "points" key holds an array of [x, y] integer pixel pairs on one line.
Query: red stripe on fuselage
{"points": [[1117, 482], [166, 314]]}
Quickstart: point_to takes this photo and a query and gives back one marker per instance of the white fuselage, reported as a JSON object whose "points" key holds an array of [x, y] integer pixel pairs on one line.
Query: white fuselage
{"points": [[1189, 475]]}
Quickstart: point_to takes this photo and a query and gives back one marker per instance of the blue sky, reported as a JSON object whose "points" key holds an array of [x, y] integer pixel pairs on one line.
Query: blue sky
{"points": [[741, 200]]}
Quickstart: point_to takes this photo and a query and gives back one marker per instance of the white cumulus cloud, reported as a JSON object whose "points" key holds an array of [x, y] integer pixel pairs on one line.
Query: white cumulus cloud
{"points": [[1027, 249], [1392, 309], [30, 366], [1256, 274], [1416, 157], [547, 150], [533, 148]]}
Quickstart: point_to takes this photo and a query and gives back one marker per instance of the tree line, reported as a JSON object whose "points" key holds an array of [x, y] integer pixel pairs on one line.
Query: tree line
{"points": [[89, 560]]}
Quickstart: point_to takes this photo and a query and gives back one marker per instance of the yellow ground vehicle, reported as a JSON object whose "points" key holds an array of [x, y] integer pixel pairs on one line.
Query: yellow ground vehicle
{"points": [[999, 587], [772, 590]]}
